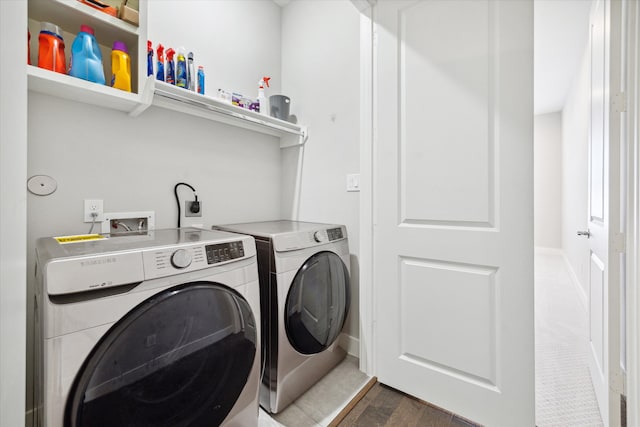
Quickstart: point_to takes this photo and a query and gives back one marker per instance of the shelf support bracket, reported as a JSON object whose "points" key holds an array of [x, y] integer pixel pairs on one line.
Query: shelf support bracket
{"points": [[146, 98]]}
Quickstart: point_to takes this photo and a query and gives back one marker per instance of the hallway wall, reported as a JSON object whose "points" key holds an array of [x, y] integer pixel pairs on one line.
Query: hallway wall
{"points": [[575, 156], [547, 191]]}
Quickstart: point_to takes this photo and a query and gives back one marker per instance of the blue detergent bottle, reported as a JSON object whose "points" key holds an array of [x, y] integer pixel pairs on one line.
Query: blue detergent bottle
{"points": [[86, 58]]}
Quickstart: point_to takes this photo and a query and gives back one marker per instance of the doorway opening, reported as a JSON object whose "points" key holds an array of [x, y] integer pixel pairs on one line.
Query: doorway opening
{"points": [[564, 390]]}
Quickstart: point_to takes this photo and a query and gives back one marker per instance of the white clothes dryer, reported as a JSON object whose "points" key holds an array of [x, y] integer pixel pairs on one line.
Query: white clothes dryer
{"points": [[305, 297], [155, 330]]}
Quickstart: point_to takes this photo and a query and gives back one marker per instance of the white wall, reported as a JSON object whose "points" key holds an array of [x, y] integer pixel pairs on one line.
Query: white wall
{"points": [[134, 163], [321, 75], [547, 153], [13, 174], [237, 41], [575, 155]]}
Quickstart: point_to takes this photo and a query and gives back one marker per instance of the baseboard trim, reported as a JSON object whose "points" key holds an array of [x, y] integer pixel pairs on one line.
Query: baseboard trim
{"points": [[541, 250], [357, 398], [350, 344]]}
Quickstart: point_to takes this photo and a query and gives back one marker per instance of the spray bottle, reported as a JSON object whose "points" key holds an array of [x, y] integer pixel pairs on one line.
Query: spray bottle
{"points": [[160, 72], [171, 71], [149, 58], [191, 73], [262, 99], [201, 80], [181, 69]]}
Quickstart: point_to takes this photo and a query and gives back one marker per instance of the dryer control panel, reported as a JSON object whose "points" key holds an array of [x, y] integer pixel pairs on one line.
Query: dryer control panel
{"points": [[308, 239]]}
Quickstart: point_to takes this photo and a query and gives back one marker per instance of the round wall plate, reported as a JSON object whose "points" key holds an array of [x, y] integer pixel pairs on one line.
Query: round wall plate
{"points": [[42, 185]]}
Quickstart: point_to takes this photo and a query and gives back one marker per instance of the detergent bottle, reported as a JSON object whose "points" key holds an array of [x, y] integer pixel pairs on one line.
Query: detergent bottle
{"points": [[262, 99], [120, 67], [149, 58], [181, 69], [171, 71], [51, 48], [160, 72], [86, 58]]}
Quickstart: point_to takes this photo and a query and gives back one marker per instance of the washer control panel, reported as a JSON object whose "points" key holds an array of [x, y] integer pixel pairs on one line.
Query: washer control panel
{"points": [[165, 262], [181, 258], [224, 252]]}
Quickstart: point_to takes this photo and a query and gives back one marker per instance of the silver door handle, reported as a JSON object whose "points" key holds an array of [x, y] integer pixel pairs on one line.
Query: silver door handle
{"points": [[584, 233]]}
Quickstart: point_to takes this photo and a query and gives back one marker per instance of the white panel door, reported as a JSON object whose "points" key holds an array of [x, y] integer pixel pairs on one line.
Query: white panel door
{"points": [[453, 205], [604, 311]]}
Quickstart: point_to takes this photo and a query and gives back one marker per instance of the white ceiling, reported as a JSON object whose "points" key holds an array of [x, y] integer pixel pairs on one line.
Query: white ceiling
{"points": [[561, 32]]}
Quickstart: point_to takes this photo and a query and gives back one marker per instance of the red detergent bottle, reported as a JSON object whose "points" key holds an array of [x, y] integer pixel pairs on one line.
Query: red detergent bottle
{"points": [[51, 48]]}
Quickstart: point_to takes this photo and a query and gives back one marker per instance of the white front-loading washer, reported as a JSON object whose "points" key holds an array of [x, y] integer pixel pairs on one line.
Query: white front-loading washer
{"points": [[154, 330], [305, 297]]}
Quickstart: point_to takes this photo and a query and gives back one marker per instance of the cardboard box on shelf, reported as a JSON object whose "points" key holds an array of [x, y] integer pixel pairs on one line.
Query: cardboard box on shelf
{"points": [[102, 6], [128, 13]]}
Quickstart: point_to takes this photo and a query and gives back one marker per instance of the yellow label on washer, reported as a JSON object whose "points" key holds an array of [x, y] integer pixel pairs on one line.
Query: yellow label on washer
{"points": [[78, 238]]}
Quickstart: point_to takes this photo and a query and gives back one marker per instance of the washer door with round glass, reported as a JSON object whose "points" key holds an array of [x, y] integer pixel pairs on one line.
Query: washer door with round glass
{"points": [[180, 358], [318, 303]]}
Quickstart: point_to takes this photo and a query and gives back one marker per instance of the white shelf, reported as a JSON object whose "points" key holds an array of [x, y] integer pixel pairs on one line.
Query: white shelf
{"points": [[163, 95], [189, 102], [74, 89], [69, 14]]}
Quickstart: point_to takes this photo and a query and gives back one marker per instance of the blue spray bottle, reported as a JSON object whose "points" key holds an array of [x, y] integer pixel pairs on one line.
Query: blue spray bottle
{"points": [[149, 58], [181, 69], [201, 80], [160, 73], [171, 71]]}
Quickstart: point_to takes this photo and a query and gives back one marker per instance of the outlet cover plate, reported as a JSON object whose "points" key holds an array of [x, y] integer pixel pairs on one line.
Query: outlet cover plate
{"points": [[187, 211], [93, 205], [353, 182]]}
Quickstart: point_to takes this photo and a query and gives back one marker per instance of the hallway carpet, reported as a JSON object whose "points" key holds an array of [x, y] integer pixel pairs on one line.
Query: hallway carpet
{"points": [[564, 393]]}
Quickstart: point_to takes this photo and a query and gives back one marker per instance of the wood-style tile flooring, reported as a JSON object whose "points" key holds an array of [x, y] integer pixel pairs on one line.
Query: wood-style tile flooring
{"points": [[385, 406]]}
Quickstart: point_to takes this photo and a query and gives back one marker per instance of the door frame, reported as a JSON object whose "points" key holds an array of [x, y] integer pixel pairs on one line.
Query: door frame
{"points": [[632, 43], [367, 220]]}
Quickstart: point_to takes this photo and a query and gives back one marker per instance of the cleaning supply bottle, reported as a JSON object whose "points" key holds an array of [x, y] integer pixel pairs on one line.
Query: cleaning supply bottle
{"points": [[51, 48], [171, 70], [262, 99], [201, 80], [191, 73], [181, 69], [160, 72], [149, 58], [120, 67], [86, 58]]}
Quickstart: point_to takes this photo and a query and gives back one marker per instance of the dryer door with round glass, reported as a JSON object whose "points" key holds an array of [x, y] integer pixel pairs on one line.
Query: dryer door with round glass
{"points": [[318, 303], [180, 358]]}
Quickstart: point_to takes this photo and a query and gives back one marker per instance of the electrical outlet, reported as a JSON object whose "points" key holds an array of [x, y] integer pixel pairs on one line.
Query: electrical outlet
{"points": [[93, 206], [188, 211]]}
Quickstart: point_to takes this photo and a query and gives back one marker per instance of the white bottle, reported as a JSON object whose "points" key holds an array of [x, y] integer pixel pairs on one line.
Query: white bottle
{"points": [[262, 99]]}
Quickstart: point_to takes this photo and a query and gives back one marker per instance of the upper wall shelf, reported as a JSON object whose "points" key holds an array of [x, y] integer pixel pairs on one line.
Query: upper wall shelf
{"points": [[164, 95], [189, 102], [69, 13], [74, 89]]}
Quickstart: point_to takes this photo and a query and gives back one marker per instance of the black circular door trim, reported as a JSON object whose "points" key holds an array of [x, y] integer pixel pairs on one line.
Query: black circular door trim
{"points": [[192, 349], [302, 337]]}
